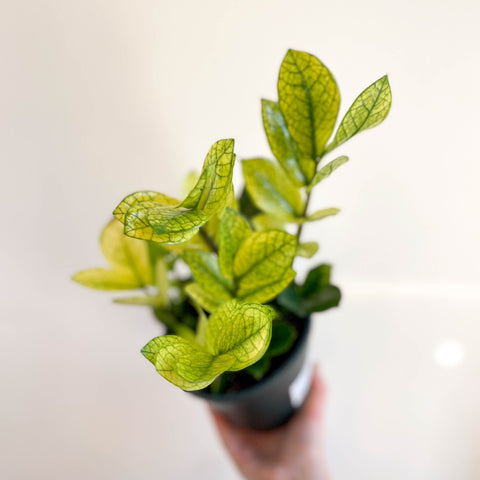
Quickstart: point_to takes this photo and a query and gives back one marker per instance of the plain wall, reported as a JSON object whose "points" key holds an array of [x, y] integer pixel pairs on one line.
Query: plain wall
{"points": [[102, 98]]}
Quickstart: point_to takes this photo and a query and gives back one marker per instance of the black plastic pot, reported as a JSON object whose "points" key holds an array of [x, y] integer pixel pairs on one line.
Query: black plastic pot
{"points": [[272, 401]]}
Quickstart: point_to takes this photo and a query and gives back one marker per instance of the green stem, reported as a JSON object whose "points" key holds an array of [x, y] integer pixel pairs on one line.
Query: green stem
{"points": [[209, 240], [304, 214], [307, 199]]}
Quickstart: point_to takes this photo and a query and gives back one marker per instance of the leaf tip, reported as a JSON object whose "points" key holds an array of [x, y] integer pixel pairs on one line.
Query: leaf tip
{"points": [[148, 352]]}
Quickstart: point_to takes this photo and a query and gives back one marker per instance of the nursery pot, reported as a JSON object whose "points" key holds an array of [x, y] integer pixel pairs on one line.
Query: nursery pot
{"points": [[274, 399]]}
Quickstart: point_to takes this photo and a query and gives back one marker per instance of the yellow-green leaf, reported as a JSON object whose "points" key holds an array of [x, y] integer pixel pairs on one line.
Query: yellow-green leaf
{"points": [[140, 197], [326, 170], [319, 214], [123, 252], [152, 216], [205, 270], [307, 249], [262, 266], [147, 300], [368, 110], [280, 141], [215, 183], [201, 327], [183, 363], [271, 189], [240, 330], [102, 279], [234, 228], [189, 183], [206, 300], [128, 257], [264, 221], [161, 281], [309, 101]]}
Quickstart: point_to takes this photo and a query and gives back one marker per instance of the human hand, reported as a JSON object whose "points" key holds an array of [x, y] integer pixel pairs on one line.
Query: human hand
{"points": [[290, 452]]}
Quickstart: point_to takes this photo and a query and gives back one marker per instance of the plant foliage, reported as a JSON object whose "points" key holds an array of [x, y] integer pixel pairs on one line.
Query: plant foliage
{"points": [[239, 252]]}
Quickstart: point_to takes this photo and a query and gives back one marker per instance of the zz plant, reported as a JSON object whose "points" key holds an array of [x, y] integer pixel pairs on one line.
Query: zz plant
{"points": [[239, 251]]}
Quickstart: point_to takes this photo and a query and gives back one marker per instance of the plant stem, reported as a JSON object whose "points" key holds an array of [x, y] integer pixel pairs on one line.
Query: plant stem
{"points": [[304, 214], [209, 240]]}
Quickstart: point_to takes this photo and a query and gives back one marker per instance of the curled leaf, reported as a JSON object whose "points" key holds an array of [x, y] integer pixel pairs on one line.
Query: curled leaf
{"points": [[240, 330], [153, 216]]}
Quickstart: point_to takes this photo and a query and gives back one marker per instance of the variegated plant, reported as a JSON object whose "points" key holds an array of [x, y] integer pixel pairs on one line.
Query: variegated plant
{"points": [[239, 251]]}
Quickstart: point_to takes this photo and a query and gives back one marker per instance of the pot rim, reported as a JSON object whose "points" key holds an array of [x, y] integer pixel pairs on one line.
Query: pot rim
{"points": [[264, 382]]}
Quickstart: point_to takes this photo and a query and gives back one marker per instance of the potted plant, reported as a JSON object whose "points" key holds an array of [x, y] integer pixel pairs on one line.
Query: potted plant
{"points": [[237, 323]]}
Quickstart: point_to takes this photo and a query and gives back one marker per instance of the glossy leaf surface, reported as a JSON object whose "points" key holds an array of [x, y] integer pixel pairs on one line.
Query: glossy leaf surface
{"points": [[206, 300], [368, 110], [262, 266], [184, 363], [241, 330], [235, 336], [281, 142], [205, 270], [162, 220], [234, 228], [326, 170], [309, 101], [271, 189]]}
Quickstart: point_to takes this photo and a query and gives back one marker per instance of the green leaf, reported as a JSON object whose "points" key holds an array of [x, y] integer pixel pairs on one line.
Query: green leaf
{"points": [[141, 197], [129, 259], [317, 277], [283, 338], [324, 298], [201, 328], [307, 249], [271, 189], [259, 369], [183, 363], [368, 110], [206, 300], [309, 101], [147, 300], [102, 279], [161, 280], [236, 336], [205, 270], [215, 183], [123, 252], [315, 295], [234, 228], [291, 300], [156, 217], [325, 171], [262, 266], [167, 317], [240, 330], [319, 214], [189, 183], [280, 141], [247, 207], [265, 221]]}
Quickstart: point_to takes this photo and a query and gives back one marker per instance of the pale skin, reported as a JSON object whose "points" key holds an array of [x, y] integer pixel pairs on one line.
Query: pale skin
{"points": [[291, 452]]}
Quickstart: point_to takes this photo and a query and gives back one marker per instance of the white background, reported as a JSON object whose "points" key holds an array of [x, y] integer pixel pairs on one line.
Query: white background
{"points": [[101, 98]]}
